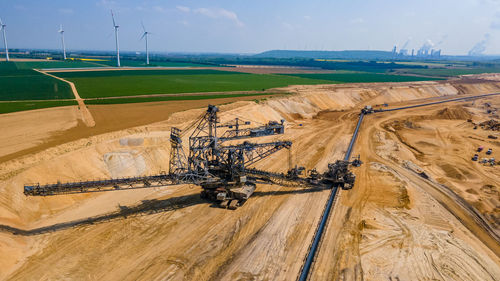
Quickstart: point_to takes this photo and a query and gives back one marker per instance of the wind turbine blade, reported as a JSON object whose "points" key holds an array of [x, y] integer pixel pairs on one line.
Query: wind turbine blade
{"points": [[1, 23], [143, 28], [113, 17], [144, 34]]}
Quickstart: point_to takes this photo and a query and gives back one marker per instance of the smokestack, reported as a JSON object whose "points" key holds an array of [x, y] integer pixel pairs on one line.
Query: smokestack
{"points": [[426, 47]]}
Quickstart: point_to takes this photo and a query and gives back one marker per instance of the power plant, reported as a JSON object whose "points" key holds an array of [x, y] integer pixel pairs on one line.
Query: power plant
{"points": [[422, 53], [427, 51]]}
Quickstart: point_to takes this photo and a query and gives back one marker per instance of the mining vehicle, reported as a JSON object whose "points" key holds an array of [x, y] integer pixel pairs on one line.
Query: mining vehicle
{"points": [[367, 109]]}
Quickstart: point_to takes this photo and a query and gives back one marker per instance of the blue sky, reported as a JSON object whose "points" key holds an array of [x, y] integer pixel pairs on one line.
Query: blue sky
{"points": [[239, 26]]}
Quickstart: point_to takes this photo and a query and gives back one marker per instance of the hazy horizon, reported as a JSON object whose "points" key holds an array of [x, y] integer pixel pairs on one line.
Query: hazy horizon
{"points": [[239, 27]]}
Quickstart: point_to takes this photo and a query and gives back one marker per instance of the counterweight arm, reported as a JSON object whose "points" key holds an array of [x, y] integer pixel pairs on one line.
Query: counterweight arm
{"points": [[101, 185]]}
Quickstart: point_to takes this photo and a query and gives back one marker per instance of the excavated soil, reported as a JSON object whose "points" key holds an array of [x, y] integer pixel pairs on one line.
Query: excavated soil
{"points": [[420, 208], [33, 131]]}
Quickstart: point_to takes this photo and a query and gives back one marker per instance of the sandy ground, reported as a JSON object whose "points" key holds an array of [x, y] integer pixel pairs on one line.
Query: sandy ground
{"points": [[399, 225], [22, 130], [393, 225], [36, 130]]}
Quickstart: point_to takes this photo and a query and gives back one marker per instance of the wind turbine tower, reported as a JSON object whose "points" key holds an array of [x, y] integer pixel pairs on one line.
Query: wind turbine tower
{"points": [[61, 31], [116, 40], [145, 36], [2, 27]]}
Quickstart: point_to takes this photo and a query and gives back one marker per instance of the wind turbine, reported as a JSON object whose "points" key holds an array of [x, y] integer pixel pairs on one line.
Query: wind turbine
{"points": [[145, 35], [116, 40], [61, 30], [2, 27]]}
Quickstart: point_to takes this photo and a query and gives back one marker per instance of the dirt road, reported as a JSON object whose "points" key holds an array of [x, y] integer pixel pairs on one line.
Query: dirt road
{"points": [[86, 116]]}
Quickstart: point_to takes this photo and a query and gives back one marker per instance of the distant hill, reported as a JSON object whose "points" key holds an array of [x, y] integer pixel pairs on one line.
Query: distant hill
{"points": [[348, 55]]}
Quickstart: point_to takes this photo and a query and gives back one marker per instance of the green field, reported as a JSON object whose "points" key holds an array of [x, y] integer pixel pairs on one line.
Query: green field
{"points": [[170, 98], [33, 90], [55, 64], [7, 107], [448, 72], [47, 64], [95, 84], [142, 63], [27, 84], [361, 77]]}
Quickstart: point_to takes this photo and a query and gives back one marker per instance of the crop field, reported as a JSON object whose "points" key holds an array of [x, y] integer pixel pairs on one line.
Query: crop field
{"points": [[448, 72], [55, 64], [428, 64], [48, 64], [27, 84], [142, 63], [171, 98], [8, 107], [19, 82], [96, 84], [361, 77]]}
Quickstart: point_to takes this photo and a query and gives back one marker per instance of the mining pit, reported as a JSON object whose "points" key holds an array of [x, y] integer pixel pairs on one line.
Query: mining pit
{"points": [[421, 209]]}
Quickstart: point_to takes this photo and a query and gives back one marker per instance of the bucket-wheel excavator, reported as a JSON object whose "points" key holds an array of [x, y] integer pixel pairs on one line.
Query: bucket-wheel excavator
{"points": [[217, 163]]}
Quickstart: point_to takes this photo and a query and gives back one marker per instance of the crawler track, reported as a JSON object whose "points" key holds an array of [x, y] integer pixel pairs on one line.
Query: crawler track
{"points": [[320, 229]]}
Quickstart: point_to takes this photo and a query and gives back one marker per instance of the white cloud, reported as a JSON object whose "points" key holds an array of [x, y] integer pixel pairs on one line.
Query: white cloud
{"points": [[357, 21], [159, 9], [65, 11], [183, 9], [106, 3], [480, 46], [219, 14], [307, 17], [287, 25], [494, 2]]}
